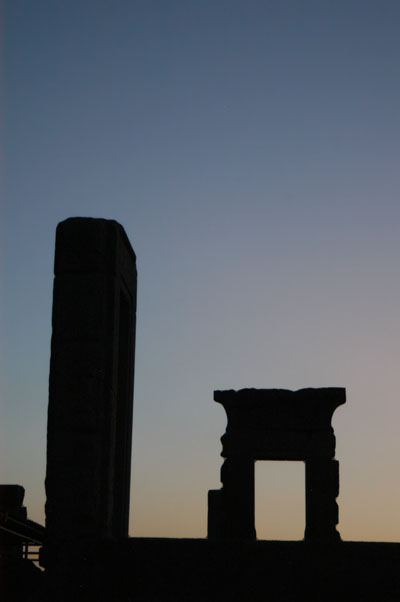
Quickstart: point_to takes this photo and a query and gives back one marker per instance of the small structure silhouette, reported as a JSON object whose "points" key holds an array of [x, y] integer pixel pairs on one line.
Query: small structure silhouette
{"points": [[276, 424], [20, 539]]}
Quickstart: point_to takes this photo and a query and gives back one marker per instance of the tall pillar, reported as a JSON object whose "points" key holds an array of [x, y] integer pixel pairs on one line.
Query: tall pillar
{"points": [[322, 489], [89, 430]]}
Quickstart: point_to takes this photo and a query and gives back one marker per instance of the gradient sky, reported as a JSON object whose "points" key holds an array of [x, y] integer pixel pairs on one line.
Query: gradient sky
{"points": [[251, 151]]}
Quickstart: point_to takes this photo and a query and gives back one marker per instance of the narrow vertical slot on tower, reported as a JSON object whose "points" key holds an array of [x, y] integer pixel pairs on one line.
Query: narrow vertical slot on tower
{"points": [[123, 434]]}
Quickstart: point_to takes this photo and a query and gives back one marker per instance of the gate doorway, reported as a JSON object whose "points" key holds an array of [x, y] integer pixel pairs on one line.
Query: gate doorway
{"points": [[280, 507]]}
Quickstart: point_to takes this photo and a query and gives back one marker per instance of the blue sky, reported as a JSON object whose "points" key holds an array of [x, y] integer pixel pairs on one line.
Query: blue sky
{"points": [[250, 149]]}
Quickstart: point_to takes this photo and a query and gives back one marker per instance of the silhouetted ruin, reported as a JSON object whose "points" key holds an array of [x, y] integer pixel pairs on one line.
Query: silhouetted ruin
{"points": [[276, 424], [87, 554], [89, 429]]}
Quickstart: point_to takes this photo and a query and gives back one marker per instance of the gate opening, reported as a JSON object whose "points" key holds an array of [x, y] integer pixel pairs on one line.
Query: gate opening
{"points": [[280, 500]]}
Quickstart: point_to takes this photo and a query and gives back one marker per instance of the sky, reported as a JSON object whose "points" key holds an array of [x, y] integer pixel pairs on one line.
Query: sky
{"points": [[250, 149]]}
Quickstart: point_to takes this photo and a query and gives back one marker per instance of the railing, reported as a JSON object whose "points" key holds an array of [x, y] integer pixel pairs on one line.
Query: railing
{"points": [[16, 532]]}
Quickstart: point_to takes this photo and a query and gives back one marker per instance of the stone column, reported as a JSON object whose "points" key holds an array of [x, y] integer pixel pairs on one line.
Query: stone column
{"points": [[91, 384], [231, 509], [322, 489]]}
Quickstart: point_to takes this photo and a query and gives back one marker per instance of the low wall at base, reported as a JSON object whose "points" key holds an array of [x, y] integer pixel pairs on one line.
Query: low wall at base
{"points": [[199, 570]]}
